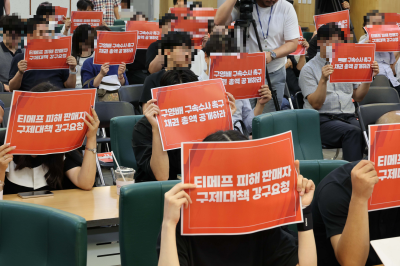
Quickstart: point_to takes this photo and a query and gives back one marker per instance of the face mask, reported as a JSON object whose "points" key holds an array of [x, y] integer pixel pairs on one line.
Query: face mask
{"points": [[329, 51]]}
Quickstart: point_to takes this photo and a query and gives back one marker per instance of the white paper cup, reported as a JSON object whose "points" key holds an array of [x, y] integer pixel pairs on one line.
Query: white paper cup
{"points": [[128, 175]]}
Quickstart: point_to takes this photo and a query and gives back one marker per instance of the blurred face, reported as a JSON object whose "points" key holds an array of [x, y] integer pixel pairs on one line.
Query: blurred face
{"points": [[180, 3], [140, 18], [42, 31], [375, 20], [179, 57], [221, 30], [325, 46], [266, 3], [166, 28], [11, 39]]}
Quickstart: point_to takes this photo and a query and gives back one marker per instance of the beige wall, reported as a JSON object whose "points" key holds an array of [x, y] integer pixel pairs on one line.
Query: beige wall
{"points": [[305, 14]]}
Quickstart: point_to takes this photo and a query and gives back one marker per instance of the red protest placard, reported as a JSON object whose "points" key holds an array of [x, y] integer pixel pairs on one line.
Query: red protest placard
{"points": [[352, 62], [191, 111], [386, 37], [148, 32], [242, 74], [234, 186], [204, 12], [194, 26], [48, 54], [179, 11], [385, 153], [341, 18], [392, 19], [105, 157], [60, 13], [92, 18], [301, 50], [48, 122], [115, 47]]}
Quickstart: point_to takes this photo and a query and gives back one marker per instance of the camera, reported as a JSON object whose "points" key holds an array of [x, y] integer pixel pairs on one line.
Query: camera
{"points": [[245, 9]]}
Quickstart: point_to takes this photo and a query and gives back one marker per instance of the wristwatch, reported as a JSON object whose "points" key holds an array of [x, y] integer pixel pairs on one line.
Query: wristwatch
{"points": [[72, 72], [92, 150], [273, 55]]}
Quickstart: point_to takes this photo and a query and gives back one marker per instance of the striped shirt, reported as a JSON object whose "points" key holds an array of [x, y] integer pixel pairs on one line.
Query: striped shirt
{"points": [[107, 7]]}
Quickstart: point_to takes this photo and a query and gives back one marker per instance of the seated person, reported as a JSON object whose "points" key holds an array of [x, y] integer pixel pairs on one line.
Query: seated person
{"points": [[82, 48], [386, 60], [180, 3], [196, 4], [293, 69], [47, 11], [339, 126], [269, 247], [176, 51], [343, 226], [154, 58], [137, 71], [20, 79], [12, 30], [155, 164], [24, 173], [82, 5], [92, 74]]}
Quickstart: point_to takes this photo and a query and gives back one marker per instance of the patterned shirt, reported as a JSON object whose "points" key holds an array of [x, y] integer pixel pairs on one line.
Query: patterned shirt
{"points": [[338, 95], [107, 7]]}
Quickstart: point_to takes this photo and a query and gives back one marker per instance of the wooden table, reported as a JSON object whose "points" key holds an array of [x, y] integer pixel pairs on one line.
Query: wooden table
{"points": [[99, 206]]}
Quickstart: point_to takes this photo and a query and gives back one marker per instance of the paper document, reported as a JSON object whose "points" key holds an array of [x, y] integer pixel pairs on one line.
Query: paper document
{"points": [[388, 250], [112, 83]]}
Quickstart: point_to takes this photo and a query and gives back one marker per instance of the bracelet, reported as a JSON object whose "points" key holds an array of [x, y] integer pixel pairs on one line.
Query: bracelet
{"points": [[92, 150], [308, 221]]}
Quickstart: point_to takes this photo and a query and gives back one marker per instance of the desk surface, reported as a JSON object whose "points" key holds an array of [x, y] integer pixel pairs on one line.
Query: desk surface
{"points": [[99, 206]]}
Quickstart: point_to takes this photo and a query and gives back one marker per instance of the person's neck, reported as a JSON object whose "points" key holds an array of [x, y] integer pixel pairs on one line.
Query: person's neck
{"points": [[261, 4], [85, 54], [10, 46]]}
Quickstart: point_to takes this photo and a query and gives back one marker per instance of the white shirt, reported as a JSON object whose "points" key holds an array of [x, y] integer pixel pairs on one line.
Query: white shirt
{"points": [[283, 27], [78, 71], [27, 177], [199, 65]]}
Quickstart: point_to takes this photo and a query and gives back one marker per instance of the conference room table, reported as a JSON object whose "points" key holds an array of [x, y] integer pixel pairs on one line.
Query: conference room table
{"points": [[100, 208]]}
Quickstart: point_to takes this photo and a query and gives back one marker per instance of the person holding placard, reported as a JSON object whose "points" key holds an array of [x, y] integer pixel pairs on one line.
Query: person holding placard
{"points": [[24, 173], [82, 48], [269, 247], [20, 79], [343, 227], [82, 5], [339, 126], [180, 3]]}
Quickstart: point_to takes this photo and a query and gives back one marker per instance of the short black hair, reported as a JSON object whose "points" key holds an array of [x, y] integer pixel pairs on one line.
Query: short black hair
{"points": [[167, 18], [176, 2], [84, 4], [44, 87], [11, 23], [45, 9], [174, 77], [220, 43], [196, 3], [33, 22], [174, 39], [136, 15], [328, 30], [228, 135]]}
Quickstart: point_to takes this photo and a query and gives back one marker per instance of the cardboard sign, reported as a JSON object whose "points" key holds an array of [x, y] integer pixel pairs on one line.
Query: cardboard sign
{"points": [[179, 12], [392, 19], [48, 54], [352, 62], [341, 18], [148, 32], [92, 18], [191, 111], [384, 151], [301, 50], [204, 12], [194, 26], [386, 37], [105, 157], [115, 47], [237, 191], [60, 13], [242, 74], [48, 122]]}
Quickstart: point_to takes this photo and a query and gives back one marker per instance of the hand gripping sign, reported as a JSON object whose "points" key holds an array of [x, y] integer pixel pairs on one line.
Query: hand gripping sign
{"points": [[242, 74], [386, 37], [48, 122], [48, 54], [301, 50], [115, 47], [385, 153], [341, 18], [352, 62], [191, 111], [148, 32], [92, 18], [237, 191], [60, 12]]}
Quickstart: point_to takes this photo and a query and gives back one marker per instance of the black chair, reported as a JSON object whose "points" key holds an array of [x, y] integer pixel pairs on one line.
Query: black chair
{"points": [[6, 98], [132, 94], [370, 113], [1, 87], [381, 95], [106, 111], [5, 117], [286, 94], [381, 81]]}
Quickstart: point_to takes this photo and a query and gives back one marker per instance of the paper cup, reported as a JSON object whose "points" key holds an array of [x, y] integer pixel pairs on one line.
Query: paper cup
{"points": [[121, 183]]}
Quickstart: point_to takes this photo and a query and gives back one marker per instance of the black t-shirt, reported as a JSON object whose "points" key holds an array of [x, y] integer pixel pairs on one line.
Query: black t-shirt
{"points": [[326, 6], [313, 49], [330, 208], [140, 61], [142, 142], [270, 247], [152, 52], [1, 8], [72, 159], [292, 75], [151, 82], [31, 78]]}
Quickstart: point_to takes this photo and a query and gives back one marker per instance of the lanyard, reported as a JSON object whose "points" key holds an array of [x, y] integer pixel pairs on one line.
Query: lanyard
{"points": [[269, 21]]}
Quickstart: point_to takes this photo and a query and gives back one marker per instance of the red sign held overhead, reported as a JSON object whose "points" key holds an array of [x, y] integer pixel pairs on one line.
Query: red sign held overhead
{"points": [[179, 12], [242, 74], [191, 111], [148, 32], [194, 26], [92, 18], [386, 37], [341, 18], [48, 122], [115, 47], [60, 13], [385, 153], [301, 50], [204, 12], [352, 62], [233, 185], [48, 54], [392, 19]]}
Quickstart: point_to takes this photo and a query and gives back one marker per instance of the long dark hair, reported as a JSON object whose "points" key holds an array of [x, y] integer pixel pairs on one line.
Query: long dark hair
{"points": [[84, 34], [228, 135]]}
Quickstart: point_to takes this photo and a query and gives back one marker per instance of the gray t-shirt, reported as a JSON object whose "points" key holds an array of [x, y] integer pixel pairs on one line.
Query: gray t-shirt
{"points": [[6, 56]]}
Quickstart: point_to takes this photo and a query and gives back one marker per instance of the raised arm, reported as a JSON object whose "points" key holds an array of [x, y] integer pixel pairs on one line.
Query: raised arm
{"points": [[223, 15], [15, 82], [7, 7]]}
